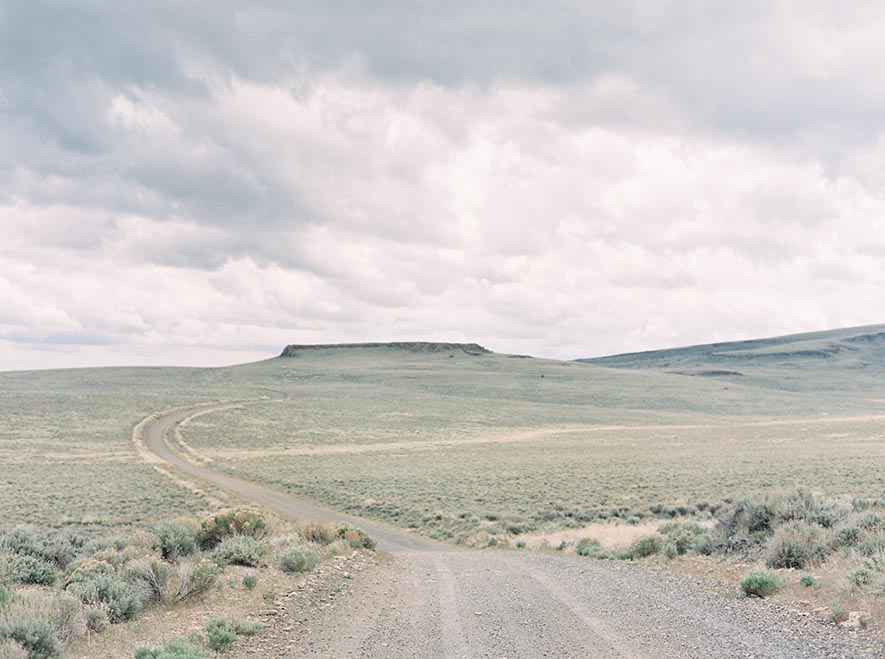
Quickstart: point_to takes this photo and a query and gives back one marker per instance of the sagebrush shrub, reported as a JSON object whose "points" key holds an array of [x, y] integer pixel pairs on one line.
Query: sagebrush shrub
{"points": [[837, 612], [175, 539], [646, 546], [298, 560], [250, 581], [795, 546], [849, 536], [177, 647], [221, 633], [760, 584], [98, 585], [807, 580], [788, 553], [588, 547], [96, 618], [28, 569], [239, 550], [20, 542], [32, 629], [861, 577], [151, 579], [67, 616], [681, 536], [244, 520], [195, 578]]}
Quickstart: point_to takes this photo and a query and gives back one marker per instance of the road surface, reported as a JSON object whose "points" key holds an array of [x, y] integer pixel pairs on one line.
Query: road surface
{"points": [[434, 600]]}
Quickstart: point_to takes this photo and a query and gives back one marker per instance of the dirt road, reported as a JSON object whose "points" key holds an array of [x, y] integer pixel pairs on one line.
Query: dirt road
{"points": [[433, 600]]}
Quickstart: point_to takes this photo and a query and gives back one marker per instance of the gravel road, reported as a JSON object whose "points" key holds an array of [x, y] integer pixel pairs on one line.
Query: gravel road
{"points": [[432, 600]]}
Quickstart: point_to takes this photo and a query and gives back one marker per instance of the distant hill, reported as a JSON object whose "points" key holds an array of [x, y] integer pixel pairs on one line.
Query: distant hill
{"points": [[410, 346], [851, 349]]}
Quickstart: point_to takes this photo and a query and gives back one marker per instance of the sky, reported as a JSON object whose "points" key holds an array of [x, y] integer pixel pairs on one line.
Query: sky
{"points": [[203, 183]]}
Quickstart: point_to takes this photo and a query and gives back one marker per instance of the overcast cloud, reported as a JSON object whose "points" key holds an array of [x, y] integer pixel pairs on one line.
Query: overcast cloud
{"points": [[203, 183]]}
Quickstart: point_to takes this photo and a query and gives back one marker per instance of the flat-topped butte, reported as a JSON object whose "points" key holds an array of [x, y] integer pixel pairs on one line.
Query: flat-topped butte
{"points": [[411, 346]]}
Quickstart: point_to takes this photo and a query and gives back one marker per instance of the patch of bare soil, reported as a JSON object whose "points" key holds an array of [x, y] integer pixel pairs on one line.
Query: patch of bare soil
{"points": [[315, 595], [266, 602]]}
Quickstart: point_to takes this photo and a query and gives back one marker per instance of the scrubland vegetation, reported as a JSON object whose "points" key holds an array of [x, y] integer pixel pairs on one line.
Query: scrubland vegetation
{"points": [[475, 449], [783, 538], [57, 587]]}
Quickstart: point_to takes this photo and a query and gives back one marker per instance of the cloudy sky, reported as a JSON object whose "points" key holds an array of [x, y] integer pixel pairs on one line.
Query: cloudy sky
{"points": [[205, 182]]}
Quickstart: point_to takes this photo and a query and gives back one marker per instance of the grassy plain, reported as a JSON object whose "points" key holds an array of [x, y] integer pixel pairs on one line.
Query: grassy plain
{"points": [[66, 453], [453, 444]]}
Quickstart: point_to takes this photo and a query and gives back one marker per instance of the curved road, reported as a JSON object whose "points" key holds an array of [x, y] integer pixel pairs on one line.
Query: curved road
{"points": [[388, 538], [434, 600]]}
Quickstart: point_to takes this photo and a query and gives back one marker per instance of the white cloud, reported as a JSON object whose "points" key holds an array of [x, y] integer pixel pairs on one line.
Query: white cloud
{"points": [[632, 205]]}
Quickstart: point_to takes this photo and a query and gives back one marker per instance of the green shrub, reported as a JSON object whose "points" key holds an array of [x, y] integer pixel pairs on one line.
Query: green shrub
{"points": [[837, 612], [871, 522], [703, 544], [32, 629], [681, 536], [221, 633], [298, 560], [12, 649], [96, 618], [751, 517], [239, 550], [861, 577], [150, 579], [250, 581], [760, 584], [20, 543], [849, 536], [175, 539], [102, 586], [357, 538], [807, 580], [788, 553], [177, 647], [6, 598], [195, 578], [61, 550], [28, 569], [67, 616], [646, 546], [796, 546], [244, 520], [588, 547], [620, 555]]}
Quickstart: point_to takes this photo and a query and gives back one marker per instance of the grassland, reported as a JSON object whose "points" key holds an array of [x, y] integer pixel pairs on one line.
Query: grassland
{"points": [[486, 449], [452, 443], [66, 451]]}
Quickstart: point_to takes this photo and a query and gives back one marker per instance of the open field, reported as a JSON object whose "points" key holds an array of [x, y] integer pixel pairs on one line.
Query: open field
{"points": [[66, 449], [775, 449], [453, 443]]}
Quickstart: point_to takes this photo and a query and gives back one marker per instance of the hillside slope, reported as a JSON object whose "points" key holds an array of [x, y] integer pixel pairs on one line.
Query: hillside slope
{"points": [[850, 359]]}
